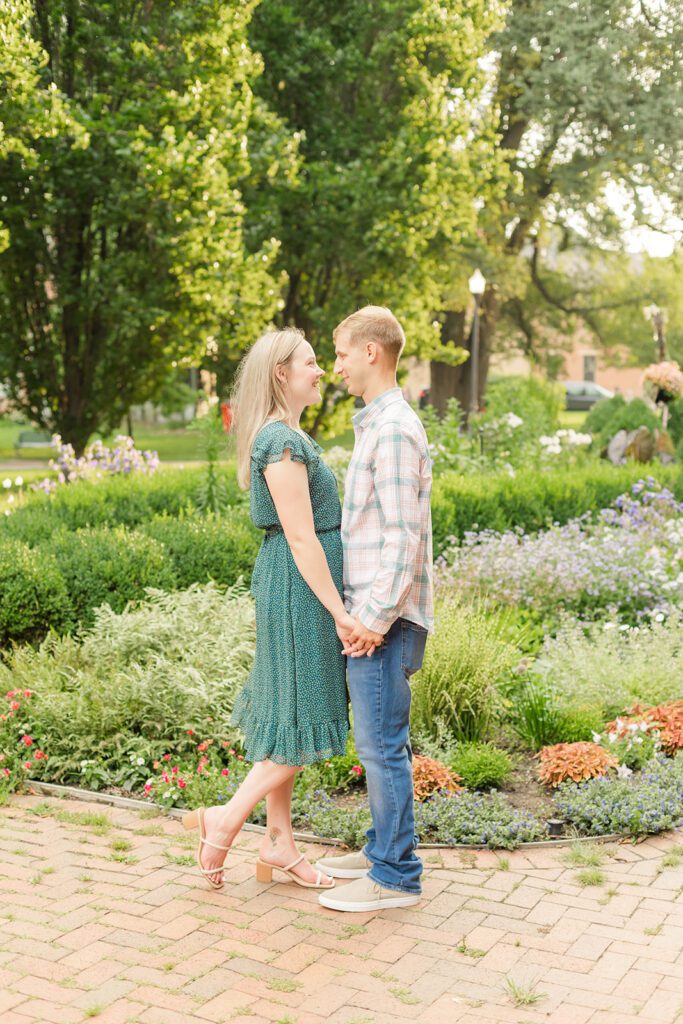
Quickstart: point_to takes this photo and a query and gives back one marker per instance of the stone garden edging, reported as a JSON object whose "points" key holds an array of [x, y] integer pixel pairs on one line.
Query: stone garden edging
{"points": [[74, 793]]}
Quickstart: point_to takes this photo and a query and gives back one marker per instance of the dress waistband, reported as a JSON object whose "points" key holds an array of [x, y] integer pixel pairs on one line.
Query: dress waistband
{"points": [[271, 531]]}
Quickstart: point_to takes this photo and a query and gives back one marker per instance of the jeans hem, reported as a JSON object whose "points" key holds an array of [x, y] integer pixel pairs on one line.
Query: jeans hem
{"points": [[395, 888]]}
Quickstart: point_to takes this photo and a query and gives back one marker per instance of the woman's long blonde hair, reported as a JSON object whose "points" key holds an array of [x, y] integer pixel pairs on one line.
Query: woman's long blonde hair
{"points": [[258, 394]]}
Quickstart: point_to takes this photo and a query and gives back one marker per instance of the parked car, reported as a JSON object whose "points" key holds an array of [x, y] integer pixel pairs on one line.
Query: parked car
{"points": [[583, 394]]}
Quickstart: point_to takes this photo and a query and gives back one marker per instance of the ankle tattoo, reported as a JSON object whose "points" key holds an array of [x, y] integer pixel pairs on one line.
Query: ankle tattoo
{"points": [[273, 834]]}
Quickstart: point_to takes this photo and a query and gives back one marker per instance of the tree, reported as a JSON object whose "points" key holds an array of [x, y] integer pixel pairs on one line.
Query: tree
{"points": [[587, 99], [126, 249], [381, 97]]}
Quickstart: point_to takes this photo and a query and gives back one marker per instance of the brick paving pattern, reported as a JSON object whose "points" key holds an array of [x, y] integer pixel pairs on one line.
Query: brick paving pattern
{"points": [[109, 923]]}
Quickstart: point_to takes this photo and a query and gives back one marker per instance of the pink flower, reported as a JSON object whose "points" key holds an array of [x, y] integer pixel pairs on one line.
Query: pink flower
{"points": [[27, 740], [6, 771], [357, 770], [165, 778], [148, 786], [190, 732], [166, 757], [15, 705], [202, 746], [27, 764], [174, 769], [39, 755], [10, 694], [27, 693], [181, 783], [225, 771]]}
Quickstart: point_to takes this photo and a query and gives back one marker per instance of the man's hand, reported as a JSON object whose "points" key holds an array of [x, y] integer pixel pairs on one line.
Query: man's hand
{"points": [[362, 641]]}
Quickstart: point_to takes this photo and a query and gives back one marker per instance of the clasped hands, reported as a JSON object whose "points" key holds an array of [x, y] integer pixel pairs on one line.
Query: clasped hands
{"points": [[355, 638]]}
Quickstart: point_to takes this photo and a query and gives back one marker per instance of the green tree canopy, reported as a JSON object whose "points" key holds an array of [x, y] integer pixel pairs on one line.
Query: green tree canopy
{"points": [[122, 203], [382, 97], [586, 96]]}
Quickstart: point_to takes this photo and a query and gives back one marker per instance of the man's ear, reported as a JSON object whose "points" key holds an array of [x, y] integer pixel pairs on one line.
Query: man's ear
{"points": [[371, 351]]}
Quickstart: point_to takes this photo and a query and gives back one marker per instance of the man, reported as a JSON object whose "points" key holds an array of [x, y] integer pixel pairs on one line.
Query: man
{"points": [[387, 538]]}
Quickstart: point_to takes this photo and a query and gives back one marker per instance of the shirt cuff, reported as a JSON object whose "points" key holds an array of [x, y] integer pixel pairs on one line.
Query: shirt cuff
{"points": [[377, 623]]}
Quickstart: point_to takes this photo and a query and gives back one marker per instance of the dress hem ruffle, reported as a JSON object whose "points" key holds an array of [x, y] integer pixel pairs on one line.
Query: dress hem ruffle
{"points": [[292, 745]]}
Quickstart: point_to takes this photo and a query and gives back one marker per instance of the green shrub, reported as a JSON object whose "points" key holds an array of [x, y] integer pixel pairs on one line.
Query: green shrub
{"points": [[537, 716], [109, 566], [536, 401], [622, 416], [481, 765], [34, 594], [609, 667], [455, 690], [112, 501], [675, 424], [532, 499], [209, 547], [131, 687]]}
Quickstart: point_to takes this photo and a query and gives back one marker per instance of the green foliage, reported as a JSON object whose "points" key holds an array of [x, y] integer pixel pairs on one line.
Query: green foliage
{"points": [[539, 718], [124, 213], [536, 401], [609, 668], [455, 690], [382, 97], [481, 765], [203, 548], [212, 493], [126, 501], [532, 499], [34, 595], [109, 565], [613, 414], [133, 684]]}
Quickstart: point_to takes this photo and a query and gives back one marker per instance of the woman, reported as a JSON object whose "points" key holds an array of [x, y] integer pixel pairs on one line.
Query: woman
{"points": [[293, 709]]}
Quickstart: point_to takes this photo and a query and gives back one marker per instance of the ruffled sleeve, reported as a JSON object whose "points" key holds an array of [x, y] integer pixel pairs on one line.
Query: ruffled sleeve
{"points": [[272, 441]]}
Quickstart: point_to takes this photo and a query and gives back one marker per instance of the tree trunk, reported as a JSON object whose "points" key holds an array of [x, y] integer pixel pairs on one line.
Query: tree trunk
{"points": [[455, 381]]}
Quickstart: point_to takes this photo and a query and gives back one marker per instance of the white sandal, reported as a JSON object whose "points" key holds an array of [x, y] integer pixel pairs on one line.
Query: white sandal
{"points": [[264, 873], [194, 819]]}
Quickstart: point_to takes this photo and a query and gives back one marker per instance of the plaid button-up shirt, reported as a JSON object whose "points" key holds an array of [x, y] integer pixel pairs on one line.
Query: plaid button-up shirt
{"points": [[386, 520]]}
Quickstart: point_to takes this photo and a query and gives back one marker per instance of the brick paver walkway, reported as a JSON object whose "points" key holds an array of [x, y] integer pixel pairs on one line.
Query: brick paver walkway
{"points": [[108, 923]]}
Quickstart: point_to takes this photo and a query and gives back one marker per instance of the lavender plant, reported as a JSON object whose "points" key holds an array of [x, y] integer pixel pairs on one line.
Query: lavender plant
{"points": [[629, 563]]}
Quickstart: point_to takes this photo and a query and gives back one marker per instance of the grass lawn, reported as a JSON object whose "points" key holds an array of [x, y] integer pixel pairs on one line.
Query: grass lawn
{"points": [[180, 445]]}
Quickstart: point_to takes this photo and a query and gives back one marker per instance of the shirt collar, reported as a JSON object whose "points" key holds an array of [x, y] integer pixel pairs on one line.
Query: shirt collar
{"points": [[364, 416]]}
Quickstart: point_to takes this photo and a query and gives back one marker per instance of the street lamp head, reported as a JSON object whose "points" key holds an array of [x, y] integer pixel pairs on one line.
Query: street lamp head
{"points": [[477, 282]]}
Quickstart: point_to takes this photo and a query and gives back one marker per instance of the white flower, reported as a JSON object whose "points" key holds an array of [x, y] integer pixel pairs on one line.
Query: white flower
{"points": [[18, 481], [10, 499], [512, 420], [596, 737], [7, 482], [637, 739], [623, 772], [610, 625], [140, 760], [659, 617], [611, 736]]}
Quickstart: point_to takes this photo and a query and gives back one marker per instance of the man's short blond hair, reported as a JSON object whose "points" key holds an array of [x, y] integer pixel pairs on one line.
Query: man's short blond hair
{"points": [[374, 323]]}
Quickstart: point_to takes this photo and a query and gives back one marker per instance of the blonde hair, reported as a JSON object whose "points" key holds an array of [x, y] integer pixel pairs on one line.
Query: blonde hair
{"points": [[258, 394], [374, 323]]}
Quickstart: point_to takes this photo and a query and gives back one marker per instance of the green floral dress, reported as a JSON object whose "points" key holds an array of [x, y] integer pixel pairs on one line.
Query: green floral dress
{"points": [[293, 709]]}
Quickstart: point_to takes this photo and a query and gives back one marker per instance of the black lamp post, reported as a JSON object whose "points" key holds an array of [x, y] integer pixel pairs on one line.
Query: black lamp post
{"points": [[477, 284]]}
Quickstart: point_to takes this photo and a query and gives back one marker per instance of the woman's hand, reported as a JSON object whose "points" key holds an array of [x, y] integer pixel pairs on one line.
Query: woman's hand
{"points": [[357, 640]]}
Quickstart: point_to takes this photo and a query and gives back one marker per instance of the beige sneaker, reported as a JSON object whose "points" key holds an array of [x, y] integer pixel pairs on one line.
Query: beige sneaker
{"points": [[351, 865], [364, 894]]}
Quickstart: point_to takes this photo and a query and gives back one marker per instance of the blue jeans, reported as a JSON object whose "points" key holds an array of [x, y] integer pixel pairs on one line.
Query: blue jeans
{"points": [[380, 697]]}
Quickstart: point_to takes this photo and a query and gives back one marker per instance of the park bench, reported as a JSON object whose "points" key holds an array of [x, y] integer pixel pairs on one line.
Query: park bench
{"points": [[33, 439]]}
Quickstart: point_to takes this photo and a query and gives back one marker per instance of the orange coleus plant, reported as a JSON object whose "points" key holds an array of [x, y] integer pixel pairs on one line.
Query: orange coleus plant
{"points": [[667, 718], [575, 761], [430, 775]]}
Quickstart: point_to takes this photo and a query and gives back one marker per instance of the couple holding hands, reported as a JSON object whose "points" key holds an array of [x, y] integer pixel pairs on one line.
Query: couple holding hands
{"points": [[338, 594]]}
